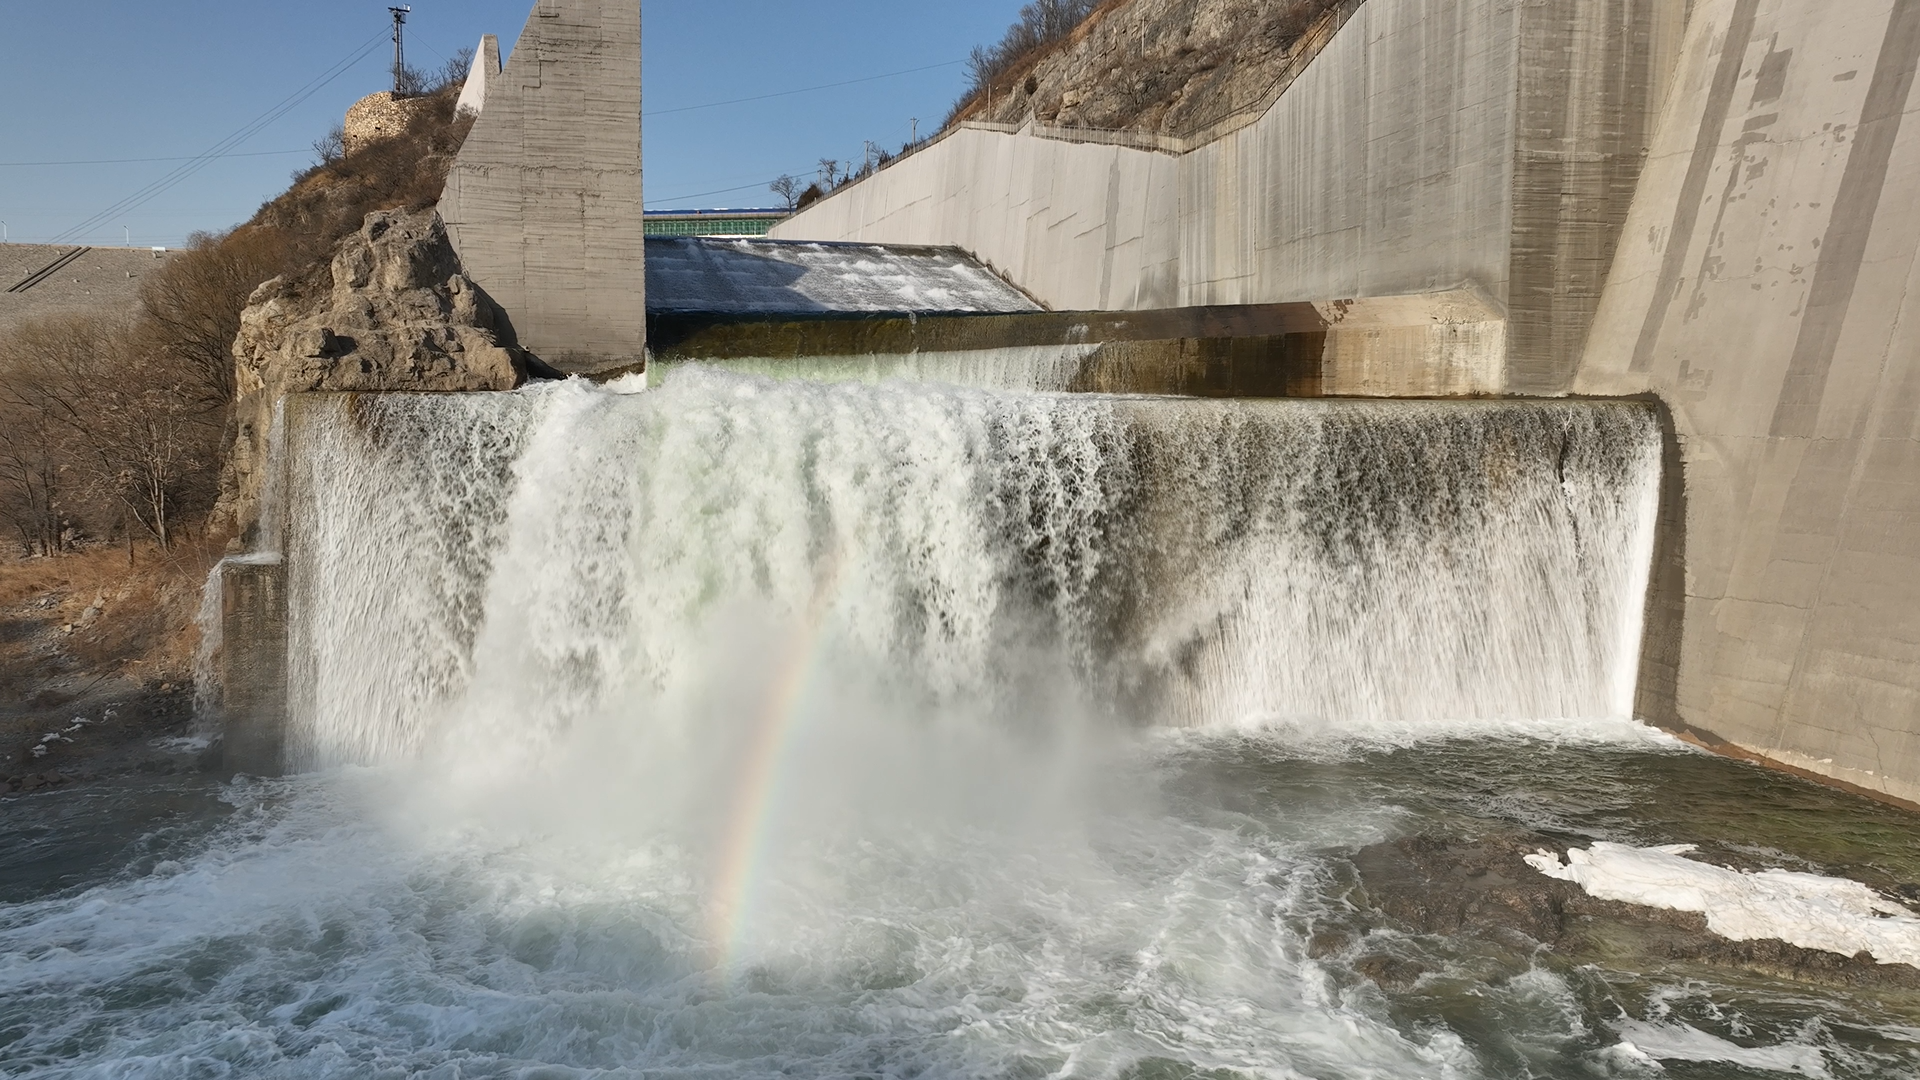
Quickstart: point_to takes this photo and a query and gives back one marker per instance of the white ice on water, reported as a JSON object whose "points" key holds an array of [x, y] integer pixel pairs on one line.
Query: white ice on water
{"points": [[1809, 910], [1678, 1042]]}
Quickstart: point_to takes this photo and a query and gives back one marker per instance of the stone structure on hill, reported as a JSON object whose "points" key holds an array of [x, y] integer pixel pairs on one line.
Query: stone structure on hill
{"points": [[392, 311], [376, 117], [544, 202]]}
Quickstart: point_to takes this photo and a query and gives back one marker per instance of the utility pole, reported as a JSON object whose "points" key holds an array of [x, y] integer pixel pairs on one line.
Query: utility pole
{"points": [[399, 49], [915, 140]]}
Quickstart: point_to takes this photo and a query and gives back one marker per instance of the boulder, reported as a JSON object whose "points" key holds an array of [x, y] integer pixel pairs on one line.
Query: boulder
{"points": [[393, 311]]}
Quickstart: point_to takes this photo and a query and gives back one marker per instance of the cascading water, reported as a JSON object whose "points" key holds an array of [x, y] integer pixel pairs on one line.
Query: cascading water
{"points": [[741, 728], [516, 561]]}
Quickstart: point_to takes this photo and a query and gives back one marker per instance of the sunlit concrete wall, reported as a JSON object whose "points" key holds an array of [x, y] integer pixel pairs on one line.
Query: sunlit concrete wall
{"points": [[544, 203], [1766, 290], [1432, 145]]}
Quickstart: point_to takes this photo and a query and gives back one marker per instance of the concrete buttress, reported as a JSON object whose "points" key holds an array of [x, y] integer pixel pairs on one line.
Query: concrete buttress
{"points": [[544, 203]]}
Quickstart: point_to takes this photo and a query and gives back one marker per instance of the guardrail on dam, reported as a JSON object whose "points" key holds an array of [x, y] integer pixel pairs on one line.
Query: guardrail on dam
{"points": [[1706, 201]]}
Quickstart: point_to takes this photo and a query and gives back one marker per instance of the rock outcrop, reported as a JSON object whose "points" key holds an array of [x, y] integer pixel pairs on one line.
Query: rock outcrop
{"points": [[1447, 885], [1169, 67], [393, 311]]}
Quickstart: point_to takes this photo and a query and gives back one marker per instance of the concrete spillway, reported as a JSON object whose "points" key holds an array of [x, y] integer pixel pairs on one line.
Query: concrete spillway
{"points": [[1701, 201], [488, 568]]}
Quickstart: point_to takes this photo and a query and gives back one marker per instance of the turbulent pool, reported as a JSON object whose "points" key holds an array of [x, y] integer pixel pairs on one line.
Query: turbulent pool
{"points": [[741, 728]]}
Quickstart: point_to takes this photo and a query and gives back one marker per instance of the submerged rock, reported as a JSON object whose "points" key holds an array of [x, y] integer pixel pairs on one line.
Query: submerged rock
{"points": [[393, 311], [1484, 887]]}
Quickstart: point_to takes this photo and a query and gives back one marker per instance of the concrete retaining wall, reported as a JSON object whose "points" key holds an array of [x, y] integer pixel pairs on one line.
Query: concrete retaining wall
{"points": [[544, 203], [1432, 145], [1766, 290]]}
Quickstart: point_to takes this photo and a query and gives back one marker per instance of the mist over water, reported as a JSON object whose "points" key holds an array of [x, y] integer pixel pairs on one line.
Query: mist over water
{"points": [[745, 728]]}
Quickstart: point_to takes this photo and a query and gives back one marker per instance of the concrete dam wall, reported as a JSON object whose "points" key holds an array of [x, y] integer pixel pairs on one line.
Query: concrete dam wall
{"points": [[1433, 146], [1706, 202], [1764, 289]]}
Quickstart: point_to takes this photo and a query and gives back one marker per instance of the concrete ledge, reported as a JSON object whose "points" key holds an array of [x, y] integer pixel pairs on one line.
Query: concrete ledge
{"points": [[1444, 344]]}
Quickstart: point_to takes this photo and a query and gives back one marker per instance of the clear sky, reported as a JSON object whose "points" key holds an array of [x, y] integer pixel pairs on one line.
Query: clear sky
{"points": [[108, 80]]}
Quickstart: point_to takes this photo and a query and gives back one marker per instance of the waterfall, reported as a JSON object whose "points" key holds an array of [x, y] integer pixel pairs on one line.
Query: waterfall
{"points": [[491, 568]]}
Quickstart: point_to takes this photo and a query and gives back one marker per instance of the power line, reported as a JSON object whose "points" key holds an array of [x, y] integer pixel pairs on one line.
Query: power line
{"points": [[225, 146], [142, 160], [805, 90]]}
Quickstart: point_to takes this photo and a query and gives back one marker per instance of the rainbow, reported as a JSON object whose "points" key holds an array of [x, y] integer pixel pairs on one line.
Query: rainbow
{"points": [[743, 845]]}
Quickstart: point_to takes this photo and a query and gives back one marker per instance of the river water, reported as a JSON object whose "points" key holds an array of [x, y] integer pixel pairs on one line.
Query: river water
{"points": [[742, 728]]}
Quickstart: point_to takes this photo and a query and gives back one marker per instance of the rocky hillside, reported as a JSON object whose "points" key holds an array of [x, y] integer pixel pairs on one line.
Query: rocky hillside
{"points": [[1169, 67]]}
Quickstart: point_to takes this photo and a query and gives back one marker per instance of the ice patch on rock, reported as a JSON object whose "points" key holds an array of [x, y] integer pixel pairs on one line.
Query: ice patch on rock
{"points": [[1678, 1042], [1809, 910]]}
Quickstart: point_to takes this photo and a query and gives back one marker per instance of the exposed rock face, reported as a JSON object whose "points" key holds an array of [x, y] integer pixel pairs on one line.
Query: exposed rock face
{"points": [[393, 311], [1450, 885], [1172, 67]]}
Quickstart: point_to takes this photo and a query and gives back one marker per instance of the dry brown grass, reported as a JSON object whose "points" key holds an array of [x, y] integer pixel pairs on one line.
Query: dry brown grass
{"points": [[142, 622]]}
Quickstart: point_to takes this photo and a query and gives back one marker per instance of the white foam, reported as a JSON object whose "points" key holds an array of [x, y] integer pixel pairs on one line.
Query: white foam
{"points": [[1678, 1042], [1320, 566], [1809, 910]]}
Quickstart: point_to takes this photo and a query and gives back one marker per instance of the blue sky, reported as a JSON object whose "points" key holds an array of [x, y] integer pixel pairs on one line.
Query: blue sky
{"points": [[135, 79]]}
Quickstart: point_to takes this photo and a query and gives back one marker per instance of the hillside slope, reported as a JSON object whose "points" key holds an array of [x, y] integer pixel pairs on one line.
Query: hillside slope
{"points": [[1169, 67]]}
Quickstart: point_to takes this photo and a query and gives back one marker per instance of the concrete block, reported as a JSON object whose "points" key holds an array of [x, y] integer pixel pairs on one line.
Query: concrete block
{"points": [[544, 202], [253, 666]]}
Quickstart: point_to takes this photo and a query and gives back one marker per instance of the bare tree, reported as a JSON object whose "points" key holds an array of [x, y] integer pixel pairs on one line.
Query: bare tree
{"points": [[332, 146], [129, 424], [33, 481], [829, 173], [192, 305], [788, 189]]}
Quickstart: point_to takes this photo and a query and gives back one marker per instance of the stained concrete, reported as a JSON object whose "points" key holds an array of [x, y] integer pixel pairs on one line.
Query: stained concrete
{"points": [[544, 203], [1489, 146], [253, 665], [1765, 289]]}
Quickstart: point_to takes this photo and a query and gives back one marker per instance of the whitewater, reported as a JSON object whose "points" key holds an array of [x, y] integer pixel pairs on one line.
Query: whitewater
{"points": [[745, 728]]}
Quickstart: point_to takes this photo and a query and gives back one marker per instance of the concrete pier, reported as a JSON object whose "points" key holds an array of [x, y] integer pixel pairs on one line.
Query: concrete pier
{"points": [[544, 203], [253, 666], [1765, 289]]}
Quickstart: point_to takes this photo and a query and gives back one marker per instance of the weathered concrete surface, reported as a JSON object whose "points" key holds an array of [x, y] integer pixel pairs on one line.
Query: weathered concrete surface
{"points": [[1765, 289], [766, 277], [1448, 344], [544, 202], [253, 666], [1488, 146]]}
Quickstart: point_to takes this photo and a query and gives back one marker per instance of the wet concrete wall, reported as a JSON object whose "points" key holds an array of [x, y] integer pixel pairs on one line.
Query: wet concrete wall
{"points": [[1765, 289]]}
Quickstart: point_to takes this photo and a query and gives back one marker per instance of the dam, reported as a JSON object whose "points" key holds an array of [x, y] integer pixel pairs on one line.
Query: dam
{"points": [[1174, 563], [1249, 599]]}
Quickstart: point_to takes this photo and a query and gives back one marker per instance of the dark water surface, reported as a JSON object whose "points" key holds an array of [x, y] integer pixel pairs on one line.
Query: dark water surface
{"points": [[373, 923]]}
